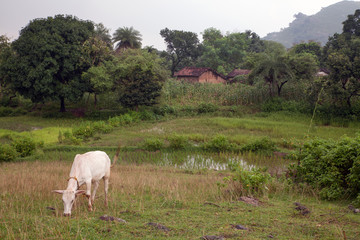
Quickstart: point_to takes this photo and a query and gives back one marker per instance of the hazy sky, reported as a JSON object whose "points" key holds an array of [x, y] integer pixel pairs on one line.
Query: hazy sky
{"points": [[150, 16]]}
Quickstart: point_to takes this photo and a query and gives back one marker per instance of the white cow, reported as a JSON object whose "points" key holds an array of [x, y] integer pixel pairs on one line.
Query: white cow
{"points": [[87, 168]]}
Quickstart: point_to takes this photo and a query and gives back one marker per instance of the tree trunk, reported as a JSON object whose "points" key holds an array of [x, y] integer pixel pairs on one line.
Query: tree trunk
{"points": [[95, 99], [62, 104]]}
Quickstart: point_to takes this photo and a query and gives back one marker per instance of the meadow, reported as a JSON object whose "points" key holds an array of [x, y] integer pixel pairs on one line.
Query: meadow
{"points": [[183, 190]]}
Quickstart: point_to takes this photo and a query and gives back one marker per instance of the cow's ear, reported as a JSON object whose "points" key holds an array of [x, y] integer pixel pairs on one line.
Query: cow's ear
{"points": [[80, 192], [58, 191]]}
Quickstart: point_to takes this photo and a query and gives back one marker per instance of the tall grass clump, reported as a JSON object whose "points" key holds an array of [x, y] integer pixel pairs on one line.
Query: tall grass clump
{"points": [[246, 182]]}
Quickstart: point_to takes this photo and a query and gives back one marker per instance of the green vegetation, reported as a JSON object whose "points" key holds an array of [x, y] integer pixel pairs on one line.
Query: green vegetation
{"points": [[228, 160]]}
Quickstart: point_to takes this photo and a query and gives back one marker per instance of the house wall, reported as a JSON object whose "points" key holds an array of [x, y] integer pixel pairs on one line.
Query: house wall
{"points": [[188, 79], [210, 77]]}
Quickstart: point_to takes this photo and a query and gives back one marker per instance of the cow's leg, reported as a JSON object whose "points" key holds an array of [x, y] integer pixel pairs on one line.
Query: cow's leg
{"points": [[96, 185], [106, 187], [88, 194]]}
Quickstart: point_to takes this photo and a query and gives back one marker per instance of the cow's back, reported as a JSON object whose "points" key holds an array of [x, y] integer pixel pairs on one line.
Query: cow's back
{"points": [[94, 165]]}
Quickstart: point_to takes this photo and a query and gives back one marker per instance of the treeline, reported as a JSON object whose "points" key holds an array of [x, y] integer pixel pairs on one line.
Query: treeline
{"points": [[61, 58]]}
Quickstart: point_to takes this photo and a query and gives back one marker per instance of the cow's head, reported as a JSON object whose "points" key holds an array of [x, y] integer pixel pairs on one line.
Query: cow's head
{"points": [[68, 197]]}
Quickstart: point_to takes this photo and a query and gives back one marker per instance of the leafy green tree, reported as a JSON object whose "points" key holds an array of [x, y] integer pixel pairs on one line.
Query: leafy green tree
{"points": [[351, 26], [343, 60], [46, 65], [127, 37], [139, 76], [5, 54], [99, 78], [313, 48], [225, 53], [182, 48], [211, 35], [303, 65]]}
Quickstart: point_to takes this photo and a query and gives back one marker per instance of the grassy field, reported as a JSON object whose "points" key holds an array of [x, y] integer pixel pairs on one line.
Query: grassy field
{"points": [[185, 199], [189, 205]]}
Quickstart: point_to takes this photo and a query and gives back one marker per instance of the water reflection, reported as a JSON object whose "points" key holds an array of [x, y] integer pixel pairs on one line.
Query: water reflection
{"points": [[197, 162]]}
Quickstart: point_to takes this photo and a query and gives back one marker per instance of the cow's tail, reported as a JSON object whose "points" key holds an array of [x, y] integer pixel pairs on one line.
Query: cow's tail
{"points": [[116, 156]]}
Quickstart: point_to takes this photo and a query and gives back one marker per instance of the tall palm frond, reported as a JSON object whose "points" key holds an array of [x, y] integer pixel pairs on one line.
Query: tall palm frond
{"points": [[127, 38]]}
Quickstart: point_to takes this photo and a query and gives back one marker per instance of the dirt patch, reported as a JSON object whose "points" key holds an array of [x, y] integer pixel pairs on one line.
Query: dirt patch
{"points": [[250, 200]]}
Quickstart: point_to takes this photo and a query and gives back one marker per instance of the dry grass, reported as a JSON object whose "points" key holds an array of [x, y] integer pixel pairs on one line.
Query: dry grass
{"points": [[146, 193], [37, 179]]}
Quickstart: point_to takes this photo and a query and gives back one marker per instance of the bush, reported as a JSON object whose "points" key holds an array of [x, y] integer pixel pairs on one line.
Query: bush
{"points": [[102, 127], [178, 142], [7, 153], [219, 143], [333, 167], [83, 131], [153, 144], [243, 182], [5, 111], [207, 108], [24, 146], [121, 120], [263, 145]]}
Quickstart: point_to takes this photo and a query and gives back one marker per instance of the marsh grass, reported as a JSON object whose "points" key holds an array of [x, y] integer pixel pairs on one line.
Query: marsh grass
{"points": [[146, 193]]}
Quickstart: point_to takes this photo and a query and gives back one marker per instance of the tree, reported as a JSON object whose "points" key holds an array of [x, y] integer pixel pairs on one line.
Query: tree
{"points": [[99, 78], [225, 53], [46, 65], [342, 52], [182, 48], [139, 76], [126, 38], [5, 54], [343, 61], [274, 70], [102, 33], [313, 48]]}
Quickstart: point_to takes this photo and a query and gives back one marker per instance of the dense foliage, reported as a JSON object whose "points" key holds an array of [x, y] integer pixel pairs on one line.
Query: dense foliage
{"points": [[333, 167], [46, 64]]}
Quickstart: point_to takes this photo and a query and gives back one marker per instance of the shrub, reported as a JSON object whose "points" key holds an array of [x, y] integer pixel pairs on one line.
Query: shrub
{"points": [[146, 115], [5, 111], [83, 131], [263, 145], [102, 127], [178, 141], [153, 144], [244, 182], [219, 143], [7, 153], [333, 167], [24, 146], [207, 108]]}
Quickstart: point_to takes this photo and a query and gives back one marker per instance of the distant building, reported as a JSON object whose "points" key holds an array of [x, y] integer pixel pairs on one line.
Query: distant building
{"points": [[201, 75], [237, 72]]}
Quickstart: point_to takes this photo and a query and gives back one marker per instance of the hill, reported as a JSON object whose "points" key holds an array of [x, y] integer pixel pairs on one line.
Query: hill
{"points": [[317, 27]]}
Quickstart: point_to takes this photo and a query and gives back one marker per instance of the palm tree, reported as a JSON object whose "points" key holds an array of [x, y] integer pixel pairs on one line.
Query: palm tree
{"points": [[274, 70], [126, 38]]}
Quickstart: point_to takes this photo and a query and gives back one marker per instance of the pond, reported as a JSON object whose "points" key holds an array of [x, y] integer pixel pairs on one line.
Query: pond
{"points": [[211, 161]]}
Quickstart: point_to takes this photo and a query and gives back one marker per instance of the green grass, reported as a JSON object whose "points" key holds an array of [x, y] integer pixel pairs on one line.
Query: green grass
{"points": [[146, 189]]}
